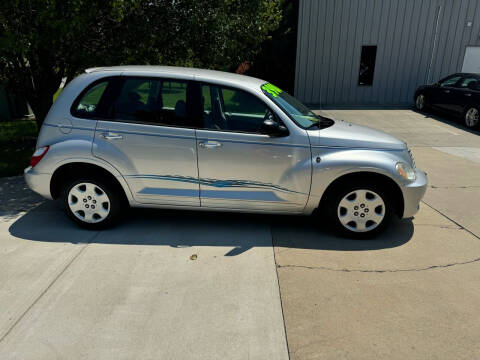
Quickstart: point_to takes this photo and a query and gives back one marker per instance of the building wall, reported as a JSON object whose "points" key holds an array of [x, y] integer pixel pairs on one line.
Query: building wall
{"points": [[418, 41]]}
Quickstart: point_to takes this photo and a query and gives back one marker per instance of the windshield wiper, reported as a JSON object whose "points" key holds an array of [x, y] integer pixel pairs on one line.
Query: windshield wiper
{"points": [[322, 123]]}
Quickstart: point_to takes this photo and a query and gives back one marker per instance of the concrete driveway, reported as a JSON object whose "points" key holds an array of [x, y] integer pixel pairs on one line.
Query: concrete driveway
{"points": [[136, 291], [412, 294]]}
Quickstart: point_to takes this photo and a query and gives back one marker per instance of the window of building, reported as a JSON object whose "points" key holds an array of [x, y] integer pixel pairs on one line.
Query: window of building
{"points": [[367, 65]]}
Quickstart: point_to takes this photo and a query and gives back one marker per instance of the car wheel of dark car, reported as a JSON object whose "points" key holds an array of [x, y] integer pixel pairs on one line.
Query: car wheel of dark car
{"points": [[420, 102], [471, 117]]}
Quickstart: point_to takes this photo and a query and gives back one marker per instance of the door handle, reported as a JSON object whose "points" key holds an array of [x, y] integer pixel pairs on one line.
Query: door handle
{"points": [[446, 91], [468, 94], [209, 144], [111, 136]]}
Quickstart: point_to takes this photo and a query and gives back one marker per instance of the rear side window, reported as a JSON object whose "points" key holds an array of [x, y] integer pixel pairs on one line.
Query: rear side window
{"points": [[468, 82], [87, 104], [152, 101]]}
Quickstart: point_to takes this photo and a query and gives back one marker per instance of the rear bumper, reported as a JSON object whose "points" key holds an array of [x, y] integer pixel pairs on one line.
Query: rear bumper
{"points": [[40, 183], [413, 194]]}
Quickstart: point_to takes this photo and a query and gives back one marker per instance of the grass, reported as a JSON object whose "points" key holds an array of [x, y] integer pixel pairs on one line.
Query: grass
{"points": [[17, 143]]}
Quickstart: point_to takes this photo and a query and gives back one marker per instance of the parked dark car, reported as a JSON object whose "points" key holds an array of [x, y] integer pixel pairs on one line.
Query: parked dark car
{"points": [[457, 94]]}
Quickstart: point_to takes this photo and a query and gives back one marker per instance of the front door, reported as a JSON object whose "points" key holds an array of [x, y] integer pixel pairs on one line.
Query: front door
{"points": [[150, 139], [240, 168], [442, 96]]}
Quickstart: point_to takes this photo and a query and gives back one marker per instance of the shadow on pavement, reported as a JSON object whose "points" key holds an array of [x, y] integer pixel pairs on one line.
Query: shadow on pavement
{"points": [[197, 228], [15, 197], [447, 119]]}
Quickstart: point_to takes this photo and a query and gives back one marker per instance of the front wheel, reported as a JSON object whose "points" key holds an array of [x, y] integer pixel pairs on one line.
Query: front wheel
{"points": [[471, 117], [360, 211], [420, 102], [92, 203]]}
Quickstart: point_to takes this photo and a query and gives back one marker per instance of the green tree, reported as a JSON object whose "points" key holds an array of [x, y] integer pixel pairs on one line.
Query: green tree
{"points": [[44, 41]]}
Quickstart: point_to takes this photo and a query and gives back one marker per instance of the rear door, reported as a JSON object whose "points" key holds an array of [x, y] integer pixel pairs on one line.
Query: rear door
{"points": [[149, 137], [465, 93], [241, 168]]}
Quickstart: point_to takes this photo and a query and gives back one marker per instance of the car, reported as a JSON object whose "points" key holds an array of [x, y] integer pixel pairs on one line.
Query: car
{"points": [[185, 138], [457, 94]]}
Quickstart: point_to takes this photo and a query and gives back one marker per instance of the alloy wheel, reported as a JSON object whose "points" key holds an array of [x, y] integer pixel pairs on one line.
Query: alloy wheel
{"points": [[420, 102], [471, 117]]}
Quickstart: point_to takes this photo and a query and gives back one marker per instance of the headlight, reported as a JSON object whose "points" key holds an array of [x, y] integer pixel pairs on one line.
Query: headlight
{"points": [[405, 171]]}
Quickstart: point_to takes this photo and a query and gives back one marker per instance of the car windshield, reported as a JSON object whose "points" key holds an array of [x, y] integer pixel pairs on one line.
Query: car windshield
{"points": [[298, 112]]}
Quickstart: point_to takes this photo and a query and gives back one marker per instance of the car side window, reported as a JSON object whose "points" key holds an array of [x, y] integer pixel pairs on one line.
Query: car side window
{"points": [[152, 101], [468, 83], [449, 81], [87, 104], [232, 109]]}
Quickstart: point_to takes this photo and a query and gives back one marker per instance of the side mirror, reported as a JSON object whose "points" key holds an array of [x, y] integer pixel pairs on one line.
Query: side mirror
{"points": [[272, 128], [436, 84]]}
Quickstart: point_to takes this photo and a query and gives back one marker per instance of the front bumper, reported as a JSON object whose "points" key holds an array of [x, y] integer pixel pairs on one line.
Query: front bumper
{"points": [[413, 193], [40, 183]]}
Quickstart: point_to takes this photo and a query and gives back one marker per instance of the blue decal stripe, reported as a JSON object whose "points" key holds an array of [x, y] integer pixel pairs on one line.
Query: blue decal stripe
{"points": [[215, 183], [214, 194], [169, 192]]}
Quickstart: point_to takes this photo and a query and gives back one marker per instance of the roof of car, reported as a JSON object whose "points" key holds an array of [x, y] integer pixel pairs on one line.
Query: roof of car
{"points": [[204, 74]]}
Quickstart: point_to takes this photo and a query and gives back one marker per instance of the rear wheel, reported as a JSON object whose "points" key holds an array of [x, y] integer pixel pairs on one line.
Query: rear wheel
{"points": [[471, 117], [360, 211], [420, 102], [92, 203]]}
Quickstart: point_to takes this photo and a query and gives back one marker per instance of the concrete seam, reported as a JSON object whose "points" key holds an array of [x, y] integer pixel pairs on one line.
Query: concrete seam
{"points": [[279, 292], [453, 221], [380, 271], [47, 288]]}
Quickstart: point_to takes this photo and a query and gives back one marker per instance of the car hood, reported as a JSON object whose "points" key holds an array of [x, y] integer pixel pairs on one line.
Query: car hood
{"points": [[345, 134]]}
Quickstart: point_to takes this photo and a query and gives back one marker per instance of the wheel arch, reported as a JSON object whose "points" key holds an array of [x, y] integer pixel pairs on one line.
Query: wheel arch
{"points": [[72, 169], [374, 178]]}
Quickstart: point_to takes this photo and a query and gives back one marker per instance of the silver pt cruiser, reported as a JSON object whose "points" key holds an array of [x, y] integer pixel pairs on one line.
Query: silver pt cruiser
{"points": [[185, 138]]}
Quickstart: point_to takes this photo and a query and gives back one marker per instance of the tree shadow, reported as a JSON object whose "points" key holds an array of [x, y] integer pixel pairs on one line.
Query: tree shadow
{"points": [[178, 228], [16, 197]]}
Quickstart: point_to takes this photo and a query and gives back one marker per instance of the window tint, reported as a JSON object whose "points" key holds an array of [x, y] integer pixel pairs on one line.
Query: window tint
{"points": [[88, 103], [233, 110], [449, 81], [367, 65], [468, 82], [152, 101]]}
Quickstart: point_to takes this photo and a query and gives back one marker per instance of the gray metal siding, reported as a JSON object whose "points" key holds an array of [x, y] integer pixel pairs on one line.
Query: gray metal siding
{"points": [[413, 47]]}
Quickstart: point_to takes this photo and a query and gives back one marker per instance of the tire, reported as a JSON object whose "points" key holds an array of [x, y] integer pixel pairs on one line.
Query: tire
{"points": [[421, 102], [359, 210], [92, 202], [471, 117]]}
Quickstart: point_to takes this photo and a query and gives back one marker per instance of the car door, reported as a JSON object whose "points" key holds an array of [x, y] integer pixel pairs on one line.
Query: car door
{"points": [[241, 168], [465, 93], [149, 137], [442, 95]]}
